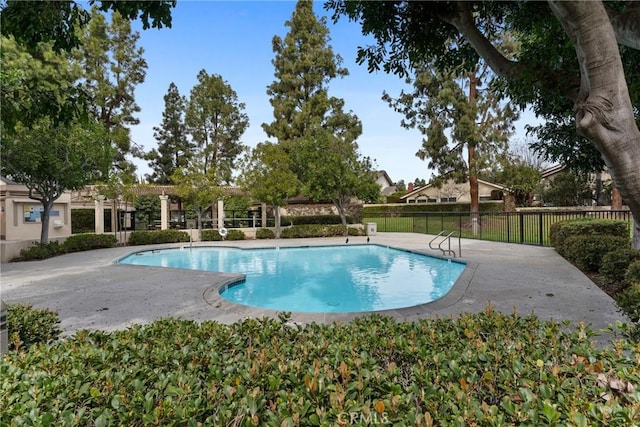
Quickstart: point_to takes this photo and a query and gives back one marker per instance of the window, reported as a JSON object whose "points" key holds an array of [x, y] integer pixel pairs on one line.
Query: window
{"points": [[485, 198], [447, 199], [432, 200]]}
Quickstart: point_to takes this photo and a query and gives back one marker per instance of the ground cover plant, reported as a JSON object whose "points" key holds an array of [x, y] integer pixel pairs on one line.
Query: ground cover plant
{"points": [[28, 326], [481, 369]]}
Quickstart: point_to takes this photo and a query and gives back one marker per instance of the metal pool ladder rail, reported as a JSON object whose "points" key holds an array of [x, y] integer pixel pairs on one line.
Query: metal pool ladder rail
{"points": [[447, 239]]}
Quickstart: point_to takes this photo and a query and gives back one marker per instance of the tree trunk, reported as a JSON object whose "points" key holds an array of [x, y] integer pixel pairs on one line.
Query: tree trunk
{"points": [[473, 170], [114, 218], [616, 198], [604, 113], [343, 217], [46, 215], [276, 214], [199, 215]]}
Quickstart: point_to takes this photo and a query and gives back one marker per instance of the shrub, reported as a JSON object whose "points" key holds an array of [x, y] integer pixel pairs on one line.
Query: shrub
{"points": [[587, 251], [41, 251], [211, 235], [356, 231], [632, 276], [615, 264], [235, 235], [559, 232], [265, 233], [157, 236], [479, 369], [629, 302], [86, 242], [28, 326], [83, 220]]}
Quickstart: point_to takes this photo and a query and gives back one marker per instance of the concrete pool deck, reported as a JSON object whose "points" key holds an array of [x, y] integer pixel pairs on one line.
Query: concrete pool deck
{"points": [[90, 291]]}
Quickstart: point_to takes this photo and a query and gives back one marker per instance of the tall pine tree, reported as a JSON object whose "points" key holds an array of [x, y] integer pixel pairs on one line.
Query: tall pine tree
{"points": [[113, 66], [174, 148], [216, 121], [454, 110], [310, 125]]}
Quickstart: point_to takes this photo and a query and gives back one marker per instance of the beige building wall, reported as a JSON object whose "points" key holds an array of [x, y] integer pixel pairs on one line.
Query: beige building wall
{"points": [[451, 192], [20, 219]]}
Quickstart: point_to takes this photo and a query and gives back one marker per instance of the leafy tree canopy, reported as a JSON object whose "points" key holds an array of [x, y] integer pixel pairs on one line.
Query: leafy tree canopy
{"points": [[55, 21], [50, 159], [577, 60]]}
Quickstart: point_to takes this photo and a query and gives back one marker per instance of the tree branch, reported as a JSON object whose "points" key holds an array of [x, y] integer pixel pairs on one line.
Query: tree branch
{"points": [[626, 25], [462, 20]]}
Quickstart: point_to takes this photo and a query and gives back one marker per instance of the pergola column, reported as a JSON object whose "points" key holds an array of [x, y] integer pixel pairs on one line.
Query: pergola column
{"points": [[99, 214], [264, 215], [164, 212], [220, 213]]}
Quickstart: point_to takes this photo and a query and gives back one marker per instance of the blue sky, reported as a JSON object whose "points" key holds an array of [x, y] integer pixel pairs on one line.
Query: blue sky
{"points": [[233, 39]]}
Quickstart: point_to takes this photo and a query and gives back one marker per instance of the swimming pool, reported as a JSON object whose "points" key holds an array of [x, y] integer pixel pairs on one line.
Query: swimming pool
{"points": [[330, 279]]}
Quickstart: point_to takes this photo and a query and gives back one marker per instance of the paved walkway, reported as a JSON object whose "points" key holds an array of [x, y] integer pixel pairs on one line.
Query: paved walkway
{"points": [[90, 291]]}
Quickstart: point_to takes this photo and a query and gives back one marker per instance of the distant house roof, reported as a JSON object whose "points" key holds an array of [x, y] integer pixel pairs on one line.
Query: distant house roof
{"points": [[552, 171], [387, 187], [480, 181], [7, 181], [383, 174]]}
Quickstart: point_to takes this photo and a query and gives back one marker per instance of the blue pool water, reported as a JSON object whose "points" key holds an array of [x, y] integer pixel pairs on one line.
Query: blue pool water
{"points": [[334, 279]]}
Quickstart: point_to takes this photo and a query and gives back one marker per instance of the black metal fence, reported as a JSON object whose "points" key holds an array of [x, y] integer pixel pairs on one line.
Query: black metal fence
{"points": [[527, 227]]}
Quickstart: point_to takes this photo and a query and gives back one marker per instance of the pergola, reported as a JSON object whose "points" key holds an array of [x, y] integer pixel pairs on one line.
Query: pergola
{"points": [[93, 196]]}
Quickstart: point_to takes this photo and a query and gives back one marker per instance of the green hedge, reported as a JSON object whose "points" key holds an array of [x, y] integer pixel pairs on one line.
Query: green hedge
{"points": [[316, 230], [40, 251], [74, 243], [616, 263], [559, 232], [86, 242], [234, 234], [632, 275], [28, 326], [214, 235], [313, 219], [587, 251], [83, 221], [157, 236], [484, 369], [211, 235], [265, 233], [629, 303], [426, 207]]}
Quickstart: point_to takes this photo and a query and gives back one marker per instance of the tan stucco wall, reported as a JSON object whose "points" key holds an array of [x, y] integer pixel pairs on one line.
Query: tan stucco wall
{"points": [[22, 219], [20, 216]]}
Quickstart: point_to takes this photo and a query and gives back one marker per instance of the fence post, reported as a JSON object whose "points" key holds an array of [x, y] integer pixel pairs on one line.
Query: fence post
{"points": [[508, 227], [540, 219], [521, 214]]}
